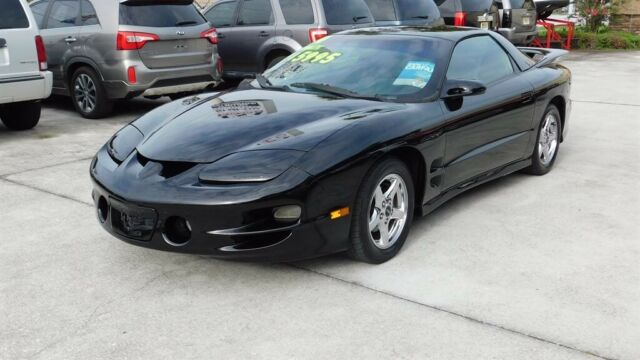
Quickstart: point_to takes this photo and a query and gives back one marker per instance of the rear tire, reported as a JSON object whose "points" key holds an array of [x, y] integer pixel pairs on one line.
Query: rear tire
{"points": [[383, 212], [21, 115], [88, 94], [547, 143], [275, 61]]}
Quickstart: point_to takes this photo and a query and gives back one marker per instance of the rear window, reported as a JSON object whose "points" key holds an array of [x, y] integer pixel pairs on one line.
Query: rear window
{"points": [[12, 15], [160, 15], [297, 12], [222, 15], [255, 12], [346, 12], [382, 10], [476, 5], [418, 9]]}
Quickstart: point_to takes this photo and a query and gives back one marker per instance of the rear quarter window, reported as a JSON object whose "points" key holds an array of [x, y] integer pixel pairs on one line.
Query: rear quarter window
{"points": [[297, 12], [157, 15], [475, 5], [12, 15], [346, 12]]}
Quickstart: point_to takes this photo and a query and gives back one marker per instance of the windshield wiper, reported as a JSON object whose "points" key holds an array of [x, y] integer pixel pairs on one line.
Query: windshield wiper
{"points": [[267, 84], [358, 18], [334, 90], [185, 23], [421, 17]]}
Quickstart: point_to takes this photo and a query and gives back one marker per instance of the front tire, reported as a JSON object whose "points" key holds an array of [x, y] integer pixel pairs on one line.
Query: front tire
{"points": [[383, 212], [88, 94], [547, 143], [21, 116]]}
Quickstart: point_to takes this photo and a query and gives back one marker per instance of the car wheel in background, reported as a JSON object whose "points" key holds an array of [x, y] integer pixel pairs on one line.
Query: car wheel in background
{"points": [[21, 115], [275, 61], [88, 94], [547, 143], [383, 212]]}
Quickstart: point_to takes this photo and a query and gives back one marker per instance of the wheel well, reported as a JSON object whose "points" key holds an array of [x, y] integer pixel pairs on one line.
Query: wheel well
{"points": [[75, 66], [416, 164], [273, 54], [559, 102]]}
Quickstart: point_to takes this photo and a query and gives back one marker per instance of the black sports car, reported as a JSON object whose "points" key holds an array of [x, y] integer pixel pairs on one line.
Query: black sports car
{"points": [[335, 148]]}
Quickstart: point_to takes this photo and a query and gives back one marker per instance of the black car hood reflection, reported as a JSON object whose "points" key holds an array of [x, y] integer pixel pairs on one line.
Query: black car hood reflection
{"points": [[254, 120]]}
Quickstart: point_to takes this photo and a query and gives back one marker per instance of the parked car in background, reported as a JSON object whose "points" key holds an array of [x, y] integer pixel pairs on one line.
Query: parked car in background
{"points": [[257, 34], [514, 19], [405, 12], [24, 79], [100, 51], [545, 8]]}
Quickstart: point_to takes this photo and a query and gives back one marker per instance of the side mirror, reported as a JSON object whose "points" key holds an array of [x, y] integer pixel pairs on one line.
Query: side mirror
{"points": [[460, 88]]}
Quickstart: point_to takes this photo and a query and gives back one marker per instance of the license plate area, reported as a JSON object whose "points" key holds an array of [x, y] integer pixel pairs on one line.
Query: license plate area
{"points": [[526, 20], [485, 21], [132, 221]]}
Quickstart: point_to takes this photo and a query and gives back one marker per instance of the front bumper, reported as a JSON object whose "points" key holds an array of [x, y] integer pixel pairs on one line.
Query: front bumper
{"points": [[519, 37]]}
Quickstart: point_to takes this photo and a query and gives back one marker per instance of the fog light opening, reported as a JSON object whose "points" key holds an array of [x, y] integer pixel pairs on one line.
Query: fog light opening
{"points": [[103, 209], [177, 231], [287, 214]]}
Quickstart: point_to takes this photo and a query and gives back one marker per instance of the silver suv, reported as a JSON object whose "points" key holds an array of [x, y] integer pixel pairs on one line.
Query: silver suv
{"points": [[102, 50], [257, 34]]}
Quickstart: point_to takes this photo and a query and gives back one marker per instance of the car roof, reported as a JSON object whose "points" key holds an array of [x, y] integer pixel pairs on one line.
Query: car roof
{"points": [[450, 33]]}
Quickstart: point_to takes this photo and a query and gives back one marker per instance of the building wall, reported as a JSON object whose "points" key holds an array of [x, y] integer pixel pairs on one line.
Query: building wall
{"points": [[627, 17]]}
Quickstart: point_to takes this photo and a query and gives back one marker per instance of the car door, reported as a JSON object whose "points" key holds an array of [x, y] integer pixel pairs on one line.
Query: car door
{"points": [[89, 27], [254, 27], [489, 130], [60, 34], [223, 17], [299, 19]]}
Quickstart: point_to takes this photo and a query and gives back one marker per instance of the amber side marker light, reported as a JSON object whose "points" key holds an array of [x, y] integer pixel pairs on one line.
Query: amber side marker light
{"points": [[337, 214]]}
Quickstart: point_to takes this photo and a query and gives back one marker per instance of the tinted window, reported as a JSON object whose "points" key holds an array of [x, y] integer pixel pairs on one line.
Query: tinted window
{"points": [[418, 9], [160, 15], [479, 58], [297, 11], [88, 14], [476, 5], [346, 12], [382, 10], [255, 12], [39, 9], [64, 13], [12, 15], [392, 67], [223, 14]]}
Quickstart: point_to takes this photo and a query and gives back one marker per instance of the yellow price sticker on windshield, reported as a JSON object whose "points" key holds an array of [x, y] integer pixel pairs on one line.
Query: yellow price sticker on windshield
{"points": [[316, 57]]}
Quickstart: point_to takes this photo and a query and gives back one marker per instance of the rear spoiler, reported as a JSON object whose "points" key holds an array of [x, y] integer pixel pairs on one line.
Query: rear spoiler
{"points": [[541, 56]]}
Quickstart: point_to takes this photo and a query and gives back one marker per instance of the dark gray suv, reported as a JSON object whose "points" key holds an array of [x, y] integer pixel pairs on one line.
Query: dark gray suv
{"points": [[102, 50], [257, 34]]}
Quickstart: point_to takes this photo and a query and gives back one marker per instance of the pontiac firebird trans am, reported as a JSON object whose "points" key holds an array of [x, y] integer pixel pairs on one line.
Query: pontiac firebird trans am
{"points": [[336, 148]]}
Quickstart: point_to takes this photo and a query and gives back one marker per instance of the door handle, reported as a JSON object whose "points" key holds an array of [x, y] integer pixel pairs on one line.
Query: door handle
{"points": [[264, 34], [3, 43], [70, 39]]}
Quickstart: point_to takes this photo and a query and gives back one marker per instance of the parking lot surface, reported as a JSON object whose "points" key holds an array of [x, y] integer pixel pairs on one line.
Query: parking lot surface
{"points": [[522, 268]]}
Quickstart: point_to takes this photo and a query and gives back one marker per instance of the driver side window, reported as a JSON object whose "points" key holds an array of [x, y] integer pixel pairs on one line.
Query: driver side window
{"points": [[481, 59]]}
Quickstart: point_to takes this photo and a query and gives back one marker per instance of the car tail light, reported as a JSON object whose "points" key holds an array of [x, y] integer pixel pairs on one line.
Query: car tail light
{"points": [[131, 75], [211, 35], [42, 53], [220, 66], [129, 40], [506, 18], [317, 34], [460, 19]]}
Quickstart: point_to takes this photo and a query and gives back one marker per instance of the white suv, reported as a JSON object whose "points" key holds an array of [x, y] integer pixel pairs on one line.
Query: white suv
{"points": [[24, 79]]}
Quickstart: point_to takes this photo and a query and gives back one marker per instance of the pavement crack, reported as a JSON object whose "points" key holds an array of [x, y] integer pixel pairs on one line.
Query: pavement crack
{"points": [[45, 191], [45, 167], [604, 103], [456, 314]]}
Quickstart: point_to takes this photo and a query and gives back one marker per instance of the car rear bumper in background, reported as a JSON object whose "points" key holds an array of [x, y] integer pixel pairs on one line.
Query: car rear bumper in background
{"points": [[25, 88], [153, 82], [519, 37]]}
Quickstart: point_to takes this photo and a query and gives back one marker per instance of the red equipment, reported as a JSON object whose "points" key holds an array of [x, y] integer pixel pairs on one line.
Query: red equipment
{"points": [[553, 35]]}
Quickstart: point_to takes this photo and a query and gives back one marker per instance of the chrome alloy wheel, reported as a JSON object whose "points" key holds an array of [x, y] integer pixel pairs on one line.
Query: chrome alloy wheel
{"points": [[388, 211], [548, 140], [85, 93]]}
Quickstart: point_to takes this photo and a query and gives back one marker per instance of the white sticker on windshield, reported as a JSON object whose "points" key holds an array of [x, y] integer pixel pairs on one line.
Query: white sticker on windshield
{"points": [[416, 74]]}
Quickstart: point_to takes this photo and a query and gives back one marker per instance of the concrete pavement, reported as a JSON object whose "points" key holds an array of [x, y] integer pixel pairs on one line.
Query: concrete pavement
{"points": [[522, 268]]}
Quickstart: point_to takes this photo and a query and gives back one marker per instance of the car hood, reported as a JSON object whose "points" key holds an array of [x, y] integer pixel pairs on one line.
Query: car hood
{"points": [[248, 120]]}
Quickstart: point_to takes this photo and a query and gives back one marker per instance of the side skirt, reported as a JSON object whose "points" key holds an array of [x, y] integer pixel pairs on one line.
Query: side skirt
{"points": [[449, 194]]}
